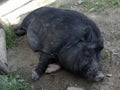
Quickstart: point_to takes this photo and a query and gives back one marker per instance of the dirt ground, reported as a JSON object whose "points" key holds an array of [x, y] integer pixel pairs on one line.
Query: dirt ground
{"points": [[23, 57]]}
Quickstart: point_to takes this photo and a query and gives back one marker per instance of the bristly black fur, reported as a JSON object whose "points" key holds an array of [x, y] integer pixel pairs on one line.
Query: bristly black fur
{"points": [[72, 36]]}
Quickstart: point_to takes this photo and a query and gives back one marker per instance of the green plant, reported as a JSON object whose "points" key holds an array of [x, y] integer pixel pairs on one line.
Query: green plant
{"points": [[113, 2], [13, 81], [10, 36], [65, 5], [106, 54], [116, 35], [98, 5]]}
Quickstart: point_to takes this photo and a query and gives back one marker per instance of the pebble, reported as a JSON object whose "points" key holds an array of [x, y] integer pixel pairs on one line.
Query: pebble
{"points": [[21, 80], [80, 2], [74, 88], [109, 75], [17, 76], [92, 9]]}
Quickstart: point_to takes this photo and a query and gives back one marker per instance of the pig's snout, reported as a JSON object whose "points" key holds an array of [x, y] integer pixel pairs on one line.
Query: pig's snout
{"points": [[100, 76]]}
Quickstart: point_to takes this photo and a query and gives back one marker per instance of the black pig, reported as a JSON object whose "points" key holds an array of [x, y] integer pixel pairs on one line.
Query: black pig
{"points": [[68, 37]]}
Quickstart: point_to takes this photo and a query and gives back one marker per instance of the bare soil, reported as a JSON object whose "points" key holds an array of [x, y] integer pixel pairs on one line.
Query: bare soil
{"points": [[23, 57]]}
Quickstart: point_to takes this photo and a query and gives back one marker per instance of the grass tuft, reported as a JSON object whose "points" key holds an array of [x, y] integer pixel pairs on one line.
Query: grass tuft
{"points": [[99, 5], [113, 2], [65, 5], [106, 54], [116, 35], [14, 81], [10, 36]]}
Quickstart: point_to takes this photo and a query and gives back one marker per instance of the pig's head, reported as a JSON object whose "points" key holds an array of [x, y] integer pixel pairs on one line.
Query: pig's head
{"points": [[89, 60], [90, 53], [85, 56]]}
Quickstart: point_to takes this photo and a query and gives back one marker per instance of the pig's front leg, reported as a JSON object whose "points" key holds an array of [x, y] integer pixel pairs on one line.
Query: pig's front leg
{"points": [[43, 63]]}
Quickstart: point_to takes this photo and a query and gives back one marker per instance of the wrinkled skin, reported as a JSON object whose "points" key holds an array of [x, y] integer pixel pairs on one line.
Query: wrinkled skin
{"points": [[83, 61], [66, 37]]}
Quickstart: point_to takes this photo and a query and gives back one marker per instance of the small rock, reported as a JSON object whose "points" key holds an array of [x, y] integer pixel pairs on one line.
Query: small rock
{"points": [[21, 80], [80, 1], [109, 75], [92, 9], [17, 76], [74, 88], [96, 3]]}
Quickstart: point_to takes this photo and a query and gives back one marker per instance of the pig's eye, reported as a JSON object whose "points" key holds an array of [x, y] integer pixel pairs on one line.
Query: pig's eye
{"points": [[98, 48]]}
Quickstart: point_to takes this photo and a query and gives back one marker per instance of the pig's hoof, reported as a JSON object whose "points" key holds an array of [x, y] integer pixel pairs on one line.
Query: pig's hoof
{"points": [[35, 76], [52, 68]]}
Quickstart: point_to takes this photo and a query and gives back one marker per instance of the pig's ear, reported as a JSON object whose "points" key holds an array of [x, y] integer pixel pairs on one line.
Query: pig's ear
{"points": [[87, 33], [97, 45]]}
